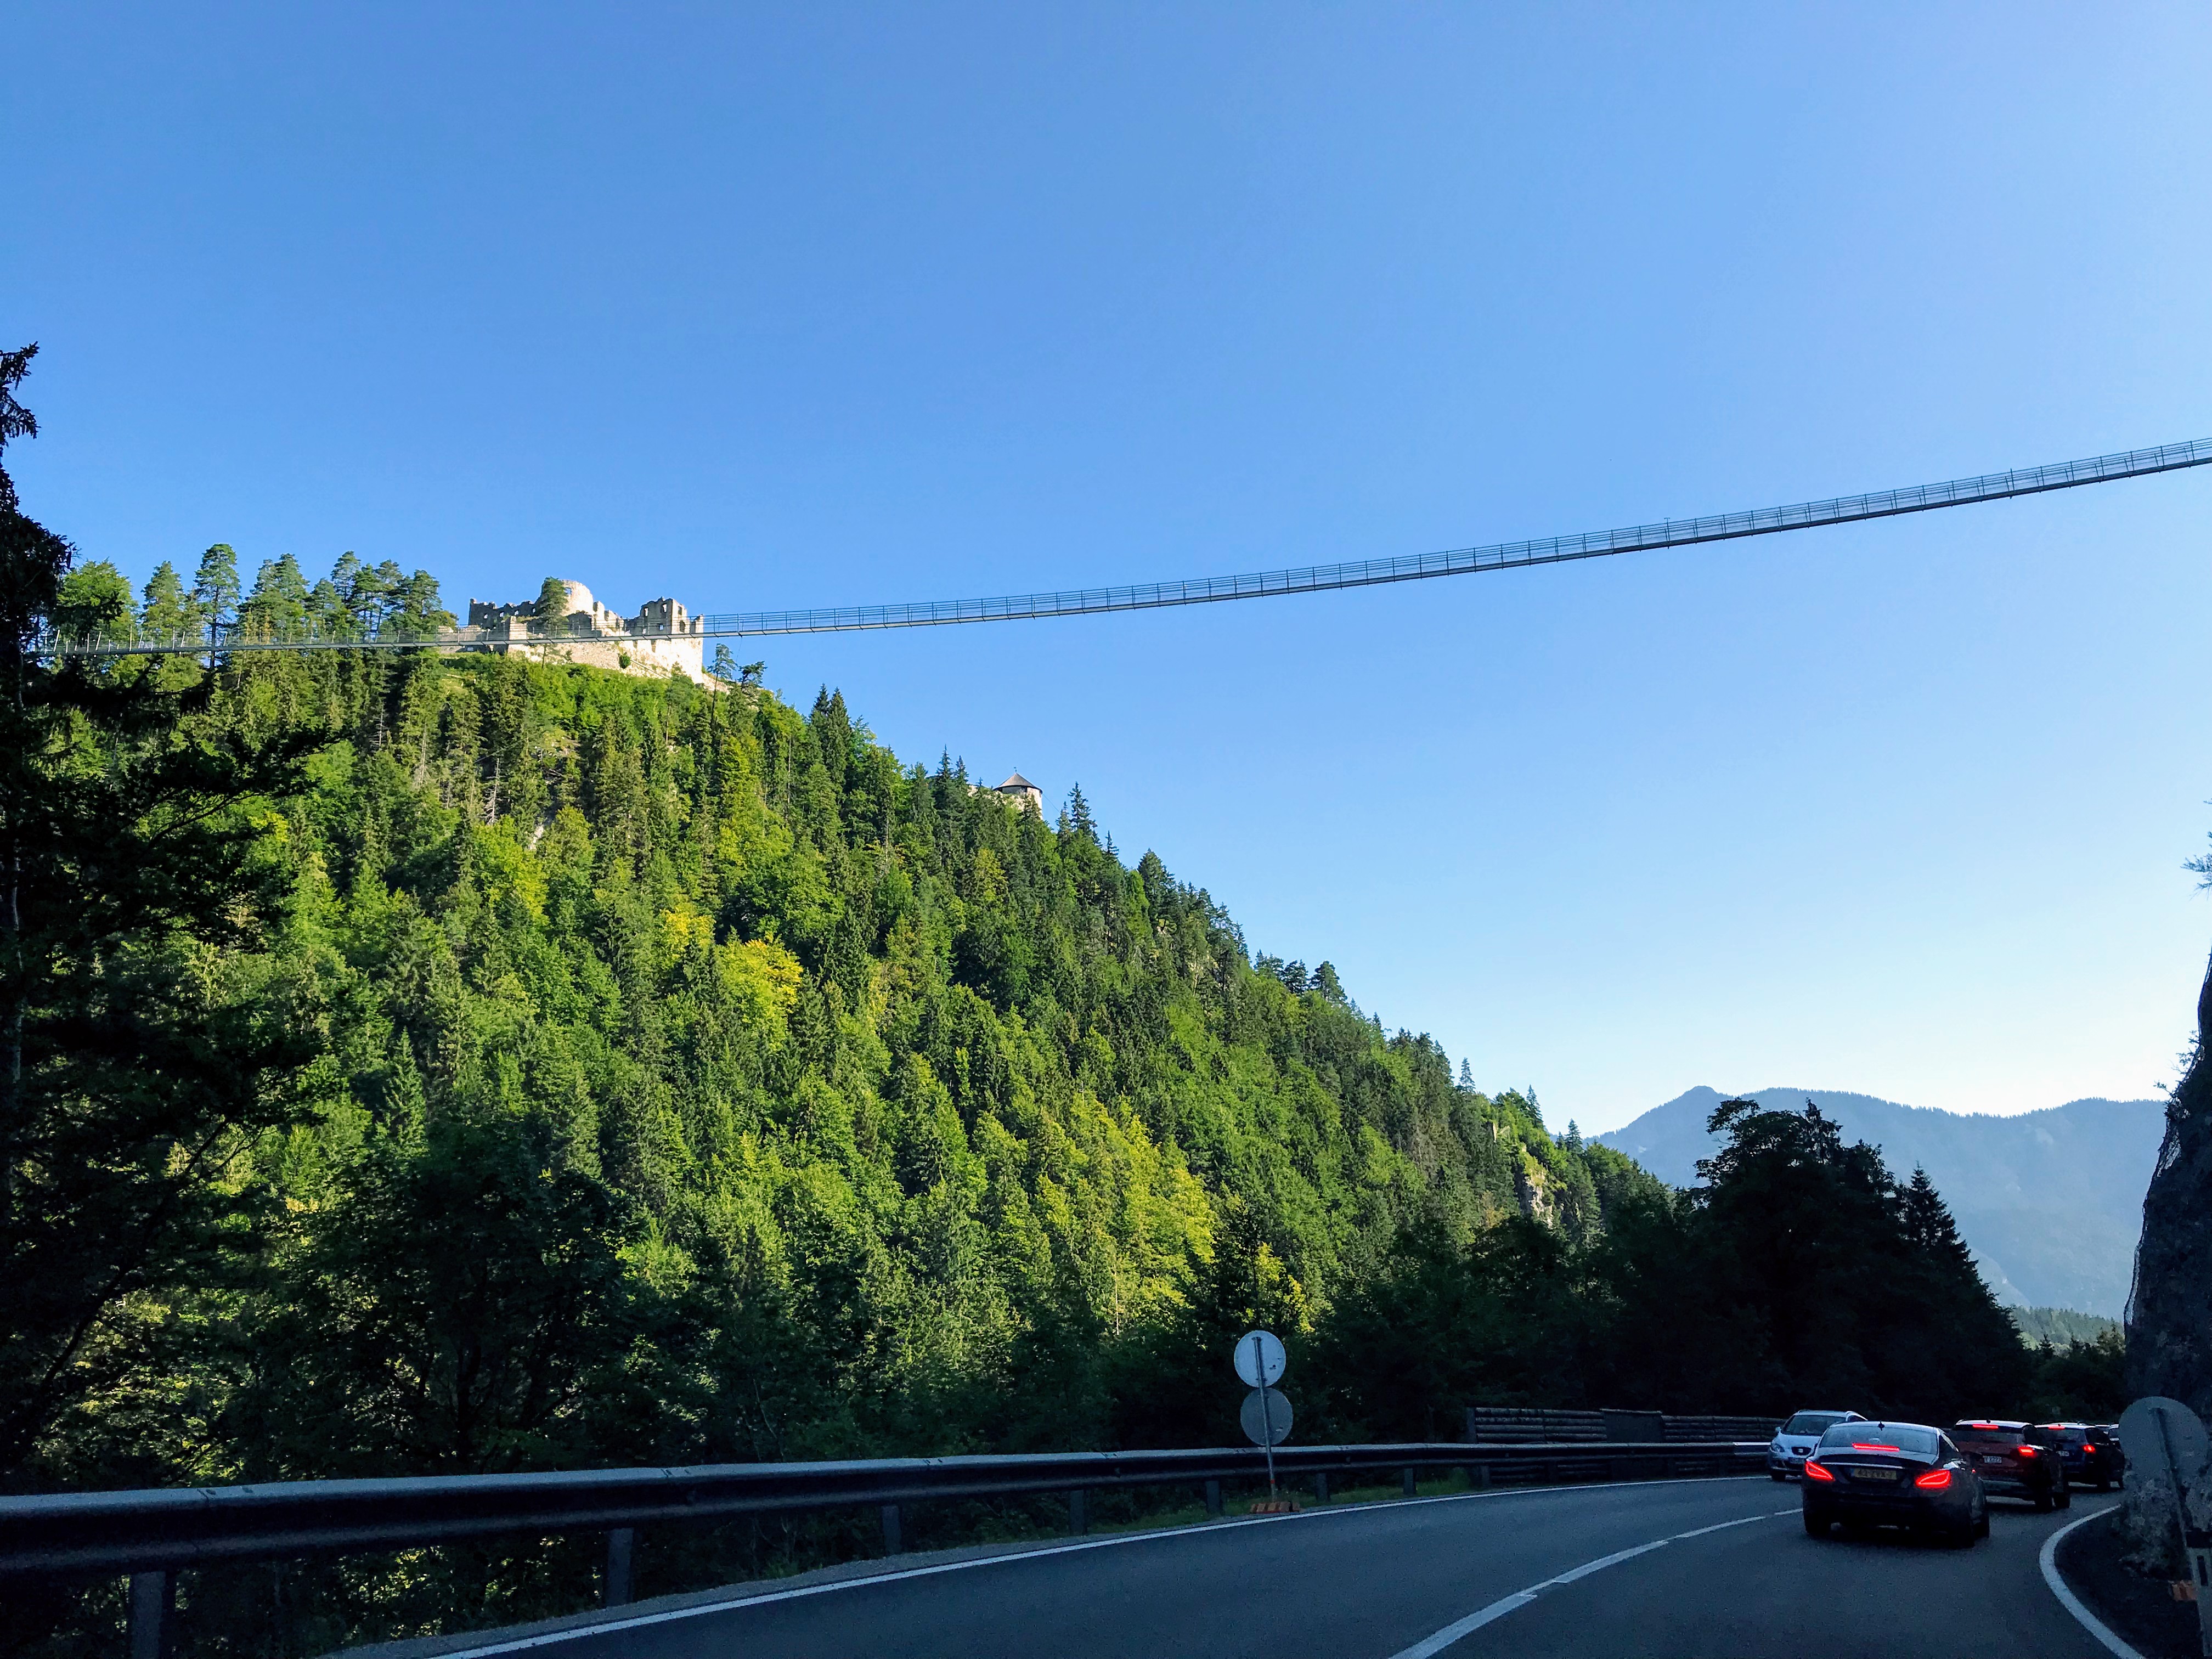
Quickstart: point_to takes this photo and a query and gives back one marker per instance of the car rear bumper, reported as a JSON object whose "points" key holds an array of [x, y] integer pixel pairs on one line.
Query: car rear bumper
{"points": [[1909, 1508]]}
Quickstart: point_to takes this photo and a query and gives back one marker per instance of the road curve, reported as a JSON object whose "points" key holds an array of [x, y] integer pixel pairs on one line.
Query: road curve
{"points": [[1664, 1569]]}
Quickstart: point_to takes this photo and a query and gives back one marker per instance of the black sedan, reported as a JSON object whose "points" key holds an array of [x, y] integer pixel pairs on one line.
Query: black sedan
{"points": [[1894, 1475]]}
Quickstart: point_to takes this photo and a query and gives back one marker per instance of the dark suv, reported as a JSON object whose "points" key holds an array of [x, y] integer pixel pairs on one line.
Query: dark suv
{"points": [[2016, 1460], [2091, 1454]]}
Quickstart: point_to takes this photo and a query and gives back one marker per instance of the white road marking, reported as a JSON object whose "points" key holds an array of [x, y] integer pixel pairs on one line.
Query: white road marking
{"points": [[2048, 1560], [700, 1609], [1430, 1646]]}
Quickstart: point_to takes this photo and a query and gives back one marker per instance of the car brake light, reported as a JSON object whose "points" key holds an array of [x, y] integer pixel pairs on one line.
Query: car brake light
{"points": [[1934, 1480], [1814, 1472], [1863, 1446], [2025, 1451]]}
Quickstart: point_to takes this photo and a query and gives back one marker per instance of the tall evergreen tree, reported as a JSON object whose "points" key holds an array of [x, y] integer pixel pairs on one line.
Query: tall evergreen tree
{"points": [[134, 1057], [215, 586]]}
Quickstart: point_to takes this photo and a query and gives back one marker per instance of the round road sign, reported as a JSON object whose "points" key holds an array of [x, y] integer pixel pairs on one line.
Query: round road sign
{"points": [[1266, 1418], [2146, 1448], [1260, 1358]]}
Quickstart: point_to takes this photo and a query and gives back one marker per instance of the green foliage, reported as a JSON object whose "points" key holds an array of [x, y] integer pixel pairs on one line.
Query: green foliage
{"points": [[552, 604], [2059, 1325], [1799, 1271], [145, 1035], [2085, 1380]]}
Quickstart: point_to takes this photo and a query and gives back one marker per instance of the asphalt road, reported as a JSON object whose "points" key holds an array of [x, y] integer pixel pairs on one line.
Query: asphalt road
{"points": [[1670, 1569]]}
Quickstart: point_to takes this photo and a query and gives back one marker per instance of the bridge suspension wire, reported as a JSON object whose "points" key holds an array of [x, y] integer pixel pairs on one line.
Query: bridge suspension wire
{"points": [[1310, 579]]}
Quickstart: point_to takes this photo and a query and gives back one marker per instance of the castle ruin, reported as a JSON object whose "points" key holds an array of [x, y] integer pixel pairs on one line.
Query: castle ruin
{"points": [[662, 639]]}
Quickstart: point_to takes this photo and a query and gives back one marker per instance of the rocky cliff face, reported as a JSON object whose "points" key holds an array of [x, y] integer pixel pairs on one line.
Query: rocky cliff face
{"points": [[2170, 1313]]}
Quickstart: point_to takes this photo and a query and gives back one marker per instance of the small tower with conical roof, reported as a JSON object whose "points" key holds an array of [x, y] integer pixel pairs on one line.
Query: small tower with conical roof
{"points": [[1019, 790]]}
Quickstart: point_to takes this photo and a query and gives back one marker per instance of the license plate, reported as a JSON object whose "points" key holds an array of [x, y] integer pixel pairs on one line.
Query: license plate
{"points": [[1873, 1474]]}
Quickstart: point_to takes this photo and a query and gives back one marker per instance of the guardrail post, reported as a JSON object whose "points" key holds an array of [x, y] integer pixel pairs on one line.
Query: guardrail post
{"points": [[152, 1599], [1409, 1482], [616, 1592], [891, 1529], [1479, 1475], [1320, 1487], [1078, 1511], [1213, 1500]]}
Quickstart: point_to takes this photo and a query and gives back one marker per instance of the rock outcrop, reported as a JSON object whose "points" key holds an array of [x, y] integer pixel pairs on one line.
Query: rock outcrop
{"points": [[2170, 1312]]}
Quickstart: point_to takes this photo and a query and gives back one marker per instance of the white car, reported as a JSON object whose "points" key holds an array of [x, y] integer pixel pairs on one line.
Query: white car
{"points": [[1785, 1456]]}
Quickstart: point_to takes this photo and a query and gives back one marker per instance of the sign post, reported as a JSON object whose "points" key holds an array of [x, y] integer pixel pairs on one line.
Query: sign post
{"points": [[1265, 1417], [2159, 1434]]}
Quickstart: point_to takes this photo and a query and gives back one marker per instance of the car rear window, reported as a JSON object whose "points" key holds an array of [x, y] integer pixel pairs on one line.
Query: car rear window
{"points": [[1812, 1422], [1987, 1434], [1883, 1437]]}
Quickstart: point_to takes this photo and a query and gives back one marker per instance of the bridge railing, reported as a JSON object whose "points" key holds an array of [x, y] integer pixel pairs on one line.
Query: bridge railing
{"points": [[150, 1535]]}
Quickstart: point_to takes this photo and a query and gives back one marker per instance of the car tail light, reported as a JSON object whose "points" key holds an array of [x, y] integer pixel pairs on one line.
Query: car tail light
{"points": [[1934, 1480], [2025, 1451], [1814, 1472]]}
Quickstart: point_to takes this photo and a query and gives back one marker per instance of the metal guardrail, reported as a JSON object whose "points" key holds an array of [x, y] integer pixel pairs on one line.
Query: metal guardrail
{"points": [[91, 1534], [1310, 579]]}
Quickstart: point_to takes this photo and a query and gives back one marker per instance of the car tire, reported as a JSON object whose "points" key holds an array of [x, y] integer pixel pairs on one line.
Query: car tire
{"points": [[1816, 1526], [1982, 1526], [2103, 1483], [2043, 1502], [1777, 1476], [2065, 1494]]}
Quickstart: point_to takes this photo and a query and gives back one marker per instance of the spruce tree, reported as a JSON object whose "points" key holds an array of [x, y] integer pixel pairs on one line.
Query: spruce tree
{"points": [[138, 1046]]}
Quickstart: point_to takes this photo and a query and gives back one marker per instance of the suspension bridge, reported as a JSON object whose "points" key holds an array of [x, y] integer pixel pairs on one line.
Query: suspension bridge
{"points": [[1211, 590]]}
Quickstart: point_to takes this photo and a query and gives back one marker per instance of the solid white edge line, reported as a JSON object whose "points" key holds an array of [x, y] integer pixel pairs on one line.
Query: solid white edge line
{"points": [[579, 1633], [1428, 1646], [2048, 1560]]}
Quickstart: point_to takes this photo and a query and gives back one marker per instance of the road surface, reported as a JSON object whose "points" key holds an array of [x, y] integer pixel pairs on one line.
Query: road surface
{"points": [[1666, 1569]]}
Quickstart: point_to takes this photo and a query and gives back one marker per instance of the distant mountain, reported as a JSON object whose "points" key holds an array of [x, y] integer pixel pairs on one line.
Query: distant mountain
{"points": [[2050, 1201]]}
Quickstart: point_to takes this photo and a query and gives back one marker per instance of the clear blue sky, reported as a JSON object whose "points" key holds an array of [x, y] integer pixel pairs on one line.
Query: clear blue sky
{"points": [[807, 305]]}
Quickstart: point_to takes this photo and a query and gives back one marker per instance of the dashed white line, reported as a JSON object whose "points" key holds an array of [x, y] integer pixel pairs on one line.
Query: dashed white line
{"points": [[1430, 1646]]}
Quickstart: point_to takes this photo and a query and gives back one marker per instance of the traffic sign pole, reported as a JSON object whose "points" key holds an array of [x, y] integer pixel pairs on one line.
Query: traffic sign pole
{"points": [[1266, 1416]]}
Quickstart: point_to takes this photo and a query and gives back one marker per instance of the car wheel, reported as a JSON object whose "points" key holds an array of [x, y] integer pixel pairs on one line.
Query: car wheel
{"points": [[1982, 1526], [2103, 1483], [2065, 1494], [1816, 1526], [2043, 1502], [1775, 1475]]}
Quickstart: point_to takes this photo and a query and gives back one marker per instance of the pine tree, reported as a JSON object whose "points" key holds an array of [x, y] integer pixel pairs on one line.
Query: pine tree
{"points": [[134, 1058], [215, 586], [168, 611]]}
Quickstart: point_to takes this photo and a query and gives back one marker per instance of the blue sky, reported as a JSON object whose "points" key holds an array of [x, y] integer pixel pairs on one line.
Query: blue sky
{"points": [[815, 305]]}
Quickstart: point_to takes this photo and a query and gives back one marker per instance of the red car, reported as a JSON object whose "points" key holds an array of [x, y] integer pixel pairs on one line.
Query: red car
{"points": [[2016, 1460]]}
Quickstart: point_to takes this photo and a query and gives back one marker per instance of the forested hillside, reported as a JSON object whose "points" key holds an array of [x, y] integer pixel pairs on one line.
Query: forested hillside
{"points": [[692, 1079]]}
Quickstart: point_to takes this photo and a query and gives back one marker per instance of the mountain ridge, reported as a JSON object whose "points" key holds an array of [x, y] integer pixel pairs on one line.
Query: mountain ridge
{"points": [[2050, 1200]]}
